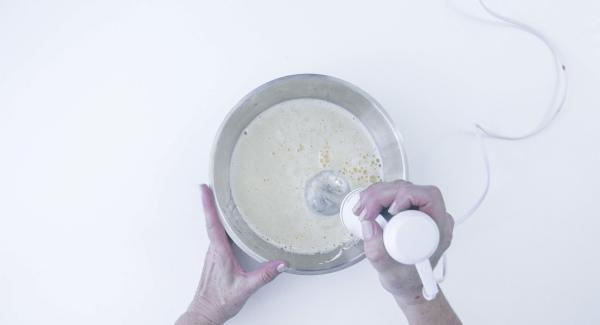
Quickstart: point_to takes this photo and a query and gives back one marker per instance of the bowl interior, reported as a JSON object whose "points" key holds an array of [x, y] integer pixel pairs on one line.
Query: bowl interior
{"points": [[321, 87]]}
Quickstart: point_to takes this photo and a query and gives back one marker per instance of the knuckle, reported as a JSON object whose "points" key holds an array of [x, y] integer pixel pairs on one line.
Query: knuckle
{"points": [[402, 191], [365, 195], [368, 194], [433, 190], [372, 206], [266, 276], [446, 240], [371, 188], [401, 182], [451, 222]]}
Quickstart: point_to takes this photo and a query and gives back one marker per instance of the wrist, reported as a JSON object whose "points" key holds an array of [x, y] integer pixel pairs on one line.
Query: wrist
{"points": [[419, 310], [412, 298], [191, 317], [205, 312]]}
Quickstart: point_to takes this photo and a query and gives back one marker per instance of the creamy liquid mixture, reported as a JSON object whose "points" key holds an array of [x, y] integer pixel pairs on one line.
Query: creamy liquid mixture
{"points": [[279, 151]]}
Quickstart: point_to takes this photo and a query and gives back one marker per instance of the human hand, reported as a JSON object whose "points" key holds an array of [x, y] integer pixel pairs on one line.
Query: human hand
{"points": [[400, 280], [224, 286]]}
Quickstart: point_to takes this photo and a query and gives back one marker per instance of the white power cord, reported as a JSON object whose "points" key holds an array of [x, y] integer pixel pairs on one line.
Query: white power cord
{"points": [[556, 105]]}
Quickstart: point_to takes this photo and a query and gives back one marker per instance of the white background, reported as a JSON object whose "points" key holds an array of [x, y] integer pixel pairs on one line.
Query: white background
{"points": [[108, 110]]}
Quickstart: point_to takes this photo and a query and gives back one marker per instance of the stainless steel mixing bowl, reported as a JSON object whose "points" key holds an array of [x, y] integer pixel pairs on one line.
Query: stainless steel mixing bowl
{"points": [[327, 88]]}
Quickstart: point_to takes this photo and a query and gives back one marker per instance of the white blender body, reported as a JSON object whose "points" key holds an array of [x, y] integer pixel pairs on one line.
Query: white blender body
{"points": [[410, 237]]}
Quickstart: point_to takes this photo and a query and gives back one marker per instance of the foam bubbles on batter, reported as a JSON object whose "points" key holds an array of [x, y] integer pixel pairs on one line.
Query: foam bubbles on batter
{"points": [[279, 152]]}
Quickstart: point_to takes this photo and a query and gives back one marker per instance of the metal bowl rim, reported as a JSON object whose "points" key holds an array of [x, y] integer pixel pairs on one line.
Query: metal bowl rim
{"points": [[223, 220]]}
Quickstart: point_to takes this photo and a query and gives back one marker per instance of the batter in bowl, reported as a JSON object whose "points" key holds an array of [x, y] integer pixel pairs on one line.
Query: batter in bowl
{"points": [[282, 149]]}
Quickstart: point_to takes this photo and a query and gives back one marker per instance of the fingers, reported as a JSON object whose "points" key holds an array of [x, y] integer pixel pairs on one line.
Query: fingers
{"points": [[425, 198], [214, 228], [265, 274], [374, 198], [374, 247], [400, 196], [359, 209]]}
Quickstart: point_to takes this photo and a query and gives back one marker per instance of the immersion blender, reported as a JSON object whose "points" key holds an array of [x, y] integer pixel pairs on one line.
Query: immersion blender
{"points": [[410, 237]]}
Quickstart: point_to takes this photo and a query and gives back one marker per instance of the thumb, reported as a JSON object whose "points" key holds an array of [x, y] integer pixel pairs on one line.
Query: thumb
{"points": [[265, 274]]}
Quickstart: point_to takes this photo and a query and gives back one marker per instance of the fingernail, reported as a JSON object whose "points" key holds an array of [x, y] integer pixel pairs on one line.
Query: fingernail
{"points": [[367, 229], [281, 268], [393, 208], [363, 214], [356, 206]]}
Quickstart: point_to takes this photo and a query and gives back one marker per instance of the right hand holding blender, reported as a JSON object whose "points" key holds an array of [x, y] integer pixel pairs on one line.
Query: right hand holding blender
{"points": [[401, 237]]}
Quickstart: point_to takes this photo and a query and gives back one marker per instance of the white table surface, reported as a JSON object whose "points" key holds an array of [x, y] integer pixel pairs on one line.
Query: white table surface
{"points": [[108, 110]]}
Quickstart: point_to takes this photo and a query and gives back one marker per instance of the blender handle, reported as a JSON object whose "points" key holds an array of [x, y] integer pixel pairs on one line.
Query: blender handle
{"points": [[430, 288]]}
